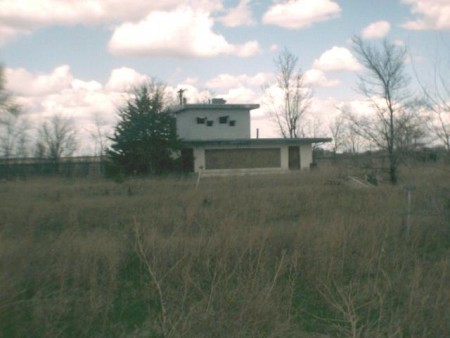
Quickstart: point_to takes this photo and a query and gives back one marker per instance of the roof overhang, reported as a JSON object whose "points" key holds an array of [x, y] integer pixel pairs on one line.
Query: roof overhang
{"points": [[256, 142], [212, 106]]}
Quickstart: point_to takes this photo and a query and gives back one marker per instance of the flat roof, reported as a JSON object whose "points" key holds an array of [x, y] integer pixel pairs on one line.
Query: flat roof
{"points": [[215, 106], [257, 141]]}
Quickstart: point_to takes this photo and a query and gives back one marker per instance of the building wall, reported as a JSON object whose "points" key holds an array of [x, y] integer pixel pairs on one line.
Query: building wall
{"points": [[214, 124], [279, 160], [199, 159], [284, 157], [242, 158], [305, 156]]}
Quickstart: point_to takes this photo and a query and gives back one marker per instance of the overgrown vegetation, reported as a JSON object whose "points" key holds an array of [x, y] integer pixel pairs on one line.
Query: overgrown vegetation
{"points": [[273, 256]]}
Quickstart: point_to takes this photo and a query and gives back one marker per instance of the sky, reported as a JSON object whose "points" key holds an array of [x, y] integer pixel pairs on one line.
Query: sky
{"points": [[80, 58]]}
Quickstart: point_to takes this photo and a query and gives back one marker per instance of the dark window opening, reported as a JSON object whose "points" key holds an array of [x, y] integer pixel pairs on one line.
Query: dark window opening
{"points": [[232, 123], [223, 119], [201, 120], [209, 123]]}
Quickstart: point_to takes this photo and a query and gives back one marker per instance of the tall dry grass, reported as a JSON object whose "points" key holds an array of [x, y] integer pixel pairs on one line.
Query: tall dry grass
{"points": [[271, 256]]}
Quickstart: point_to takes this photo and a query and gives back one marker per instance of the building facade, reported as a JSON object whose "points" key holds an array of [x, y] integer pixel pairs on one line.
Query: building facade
{"points": [[216, 138]]}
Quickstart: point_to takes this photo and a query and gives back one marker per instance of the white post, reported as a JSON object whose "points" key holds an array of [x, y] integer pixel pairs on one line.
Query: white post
{"points": [[198, 177]]}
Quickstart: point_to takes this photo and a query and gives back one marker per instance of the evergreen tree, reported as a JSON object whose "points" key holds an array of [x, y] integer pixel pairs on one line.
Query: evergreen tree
{"points": [[145, 139]]}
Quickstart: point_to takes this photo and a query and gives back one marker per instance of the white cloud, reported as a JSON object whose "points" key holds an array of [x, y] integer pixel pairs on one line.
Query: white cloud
{"points": [[122, 79], [21, 16], [191, 92], [324, 108], [192, 81], [58, 92], [312, 77], [49, 12], [246, 50], [362, 107], [228, 81], [180, 33], [399, 42], [317, 78], [240, 95], [241, 15], [376, 30], [263, 125], [298, 14], [337, 59], [24, 83], [86, 85], [42, 95], [432, 15]]}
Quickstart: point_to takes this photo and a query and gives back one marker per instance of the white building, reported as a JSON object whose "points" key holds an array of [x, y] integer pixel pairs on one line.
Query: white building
{"points": [[217, 140]]}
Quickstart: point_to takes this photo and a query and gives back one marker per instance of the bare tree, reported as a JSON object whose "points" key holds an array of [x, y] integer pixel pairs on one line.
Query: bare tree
{"points": [[338, 133], [13, 135], [343, 132], [441, 124], [99, 135], [410, 131], [353, 142], [290, 98], [437, 102], [13, 127], [4, 97], [385, 85], [56, 138]]}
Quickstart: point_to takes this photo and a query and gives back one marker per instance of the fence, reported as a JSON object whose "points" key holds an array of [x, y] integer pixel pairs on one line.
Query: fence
{"points": [[85, 166]]}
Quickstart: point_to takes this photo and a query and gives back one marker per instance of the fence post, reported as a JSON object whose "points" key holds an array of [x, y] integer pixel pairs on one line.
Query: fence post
{"points": [[409, 188]]}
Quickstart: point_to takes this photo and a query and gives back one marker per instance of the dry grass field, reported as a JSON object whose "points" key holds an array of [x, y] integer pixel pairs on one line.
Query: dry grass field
{"points": [[291, 255]]}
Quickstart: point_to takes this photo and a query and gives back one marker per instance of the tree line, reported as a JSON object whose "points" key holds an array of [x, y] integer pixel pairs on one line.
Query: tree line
{"points": [[144, 140], [56, 137], [395, 120]]}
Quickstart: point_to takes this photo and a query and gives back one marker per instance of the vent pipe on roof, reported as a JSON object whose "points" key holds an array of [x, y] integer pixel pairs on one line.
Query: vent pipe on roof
{"points": [[182, 100]]}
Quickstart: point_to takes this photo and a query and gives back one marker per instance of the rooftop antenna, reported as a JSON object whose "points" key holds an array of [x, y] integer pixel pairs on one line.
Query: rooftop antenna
{"points": [[180, 92]]}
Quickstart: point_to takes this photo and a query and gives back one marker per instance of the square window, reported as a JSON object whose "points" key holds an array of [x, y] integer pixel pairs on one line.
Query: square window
{"points": [[201, 120], [223, 119], [209, 123], [232, 123]]}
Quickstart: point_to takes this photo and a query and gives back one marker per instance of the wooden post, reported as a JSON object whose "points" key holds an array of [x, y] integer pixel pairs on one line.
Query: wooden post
{"points": [[409, 188]]}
